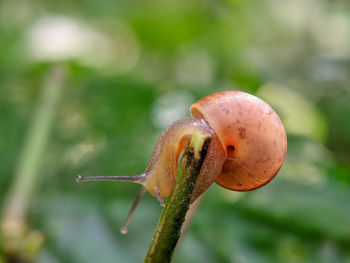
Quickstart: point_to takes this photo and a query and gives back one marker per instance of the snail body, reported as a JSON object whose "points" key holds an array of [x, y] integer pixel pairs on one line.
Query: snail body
{"points": [[246, 151]]}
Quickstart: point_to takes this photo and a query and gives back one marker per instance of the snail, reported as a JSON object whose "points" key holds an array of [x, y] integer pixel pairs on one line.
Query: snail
{"points": [[247, 149]]}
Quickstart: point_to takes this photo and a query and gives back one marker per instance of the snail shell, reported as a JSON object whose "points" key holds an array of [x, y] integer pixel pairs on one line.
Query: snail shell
{"points": [[251, 135]]}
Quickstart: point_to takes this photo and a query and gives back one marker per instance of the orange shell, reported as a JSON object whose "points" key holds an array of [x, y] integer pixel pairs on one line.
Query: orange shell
{"points": [[252, 135]]}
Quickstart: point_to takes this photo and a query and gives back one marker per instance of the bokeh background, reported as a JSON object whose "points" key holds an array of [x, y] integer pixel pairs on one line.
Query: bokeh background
{"points": [[86, 87]]}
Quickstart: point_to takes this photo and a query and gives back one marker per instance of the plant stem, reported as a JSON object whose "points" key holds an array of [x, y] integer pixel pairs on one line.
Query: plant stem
{"points": [[169, 226], [17, 204]]}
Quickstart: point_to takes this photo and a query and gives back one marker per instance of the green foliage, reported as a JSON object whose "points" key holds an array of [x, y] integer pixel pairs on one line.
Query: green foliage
{"points": [[126, 58]]}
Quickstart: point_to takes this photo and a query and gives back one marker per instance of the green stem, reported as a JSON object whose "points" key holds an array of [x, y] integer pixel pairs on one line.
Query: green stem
{"points": [[26, 178], [169, 226]]}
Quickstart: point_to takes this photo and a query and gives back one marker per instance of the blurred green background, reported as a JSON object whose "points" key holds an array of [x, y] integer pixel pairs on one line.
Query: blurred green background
{"points": [[86, 87]]}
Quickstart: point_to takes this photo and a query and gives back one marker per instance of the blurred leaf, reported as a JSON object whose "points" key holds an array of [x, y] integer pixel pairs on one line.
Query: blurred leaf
{"points": [[151, 61]]}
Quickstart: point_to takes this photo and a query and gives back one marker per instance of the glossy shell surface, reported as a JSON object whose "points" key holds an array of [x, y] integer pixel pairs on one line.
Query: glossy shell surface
{"points": [[252, 135]]}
